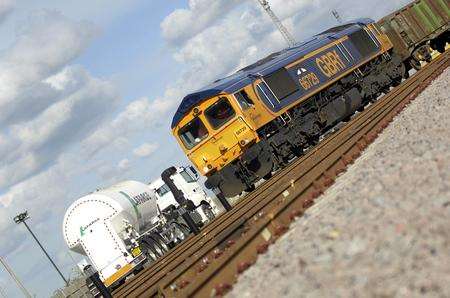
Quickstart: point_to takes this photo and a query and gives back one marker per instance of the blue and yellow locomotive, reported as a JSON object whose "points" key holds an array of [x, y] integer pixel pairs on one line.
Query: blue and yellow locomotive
{"points": [[242, 127]]}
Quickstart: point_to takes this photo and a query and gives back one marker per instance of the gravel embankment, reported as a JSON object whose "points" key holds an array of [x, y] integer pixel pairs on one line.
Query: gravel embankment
{"points": [[383, 229]]}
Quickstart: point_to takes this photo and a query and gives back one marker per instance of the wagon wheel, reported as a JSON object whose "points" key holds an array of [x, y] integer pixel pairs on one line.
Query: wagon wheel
{"points": [[439, 45], [406, 75], [250, 187]]}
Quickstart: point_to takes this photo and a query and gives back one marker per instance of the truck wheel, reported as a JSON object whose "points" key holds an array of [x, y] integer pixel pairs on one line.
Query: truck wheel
{"points": [[182, 231], [149, 251], [269, 175], [154, 246], [160, 242], [207, 210]]}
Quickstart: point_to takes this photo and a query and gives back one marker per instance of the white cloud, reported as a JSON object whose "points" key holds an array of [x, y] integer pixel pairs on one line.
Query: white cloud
{"points": [[139, 115], [39, 142], [100, 11], [6, 7], [42, 195], [46, 43], [46, 105], [124, 164], [145, 150], [183, 24]]}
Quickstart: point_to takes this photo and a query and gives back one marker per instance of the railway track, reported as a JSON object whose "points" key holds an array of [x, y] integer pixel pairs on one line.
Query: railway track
{"points": [[209, 263]]}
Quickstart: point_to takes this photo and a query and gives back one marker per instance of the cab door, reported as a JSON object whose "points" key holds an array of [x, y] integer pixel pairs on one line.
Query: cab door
{"points": [[248, 108]]}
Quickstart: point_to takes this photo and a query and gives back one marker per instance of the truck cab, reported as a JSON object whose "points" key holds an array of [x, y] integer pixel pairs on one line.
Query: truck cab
{"points": [[187, 180]]}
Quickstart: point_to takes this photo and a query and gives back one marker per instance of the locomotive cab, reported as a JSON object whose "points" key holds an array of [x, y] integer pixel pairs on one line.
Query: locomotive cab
{"points": [[214, 132]]}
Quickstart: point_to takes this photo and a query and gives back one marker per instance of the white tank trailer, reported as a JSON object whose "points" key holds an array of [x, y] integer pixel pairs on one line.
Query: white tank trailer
{"points": [[122, 227]]}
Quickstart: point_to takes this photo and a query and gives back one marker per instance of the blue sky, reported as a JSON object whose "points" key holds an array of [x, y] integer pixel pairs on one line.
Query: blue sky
{"points": [[88, 89]]}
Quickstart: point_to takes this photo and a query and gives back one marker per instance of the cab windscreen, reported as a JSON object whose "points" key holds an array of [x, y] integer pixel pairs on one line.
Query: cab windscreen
{"points": [[219, 113], [193, 133]]}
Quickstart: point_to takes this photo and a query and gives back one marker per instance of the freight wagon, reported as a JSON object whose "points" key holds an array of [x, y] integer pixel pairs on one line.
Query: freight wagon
{"points": [[418, 28]]}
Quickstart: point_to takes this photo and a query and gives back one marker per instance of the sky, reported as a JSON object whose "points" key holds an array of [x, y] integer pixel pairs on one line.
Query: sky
{"points": [[88, 90]]}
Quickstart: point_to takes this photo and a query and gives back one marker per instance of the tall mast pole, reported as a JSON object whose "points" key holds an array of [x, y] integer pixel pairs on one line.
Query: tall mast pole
{"points": [[21, 218], [286, 35], [15, 278]]}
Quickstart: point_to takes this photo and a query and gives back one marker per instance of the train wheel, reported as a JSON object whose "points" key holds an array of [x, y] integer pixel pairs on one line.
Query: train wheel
{"points": [[347, 119], [268, 176], [396, 82], [441, 47], [406, 75], [415, 64], [250, 188]]}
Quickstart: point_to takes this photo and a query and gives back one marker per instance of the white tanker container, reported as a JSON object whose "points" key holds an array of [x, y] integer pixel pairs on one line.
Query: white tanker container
{"points": [[120, 227], [98, 226]]}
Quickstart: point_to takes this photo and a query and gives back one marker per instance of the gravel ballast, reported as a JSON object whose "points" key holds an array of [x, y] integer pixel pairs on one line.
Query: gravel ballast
{"points": [[383, 229]]}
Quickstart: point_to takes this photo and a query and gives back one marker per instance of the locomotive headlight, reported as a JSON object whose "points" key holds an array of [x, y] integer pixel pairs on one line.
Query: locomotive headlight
{"points": [[196, 111], [243, 142], [207, 168]]}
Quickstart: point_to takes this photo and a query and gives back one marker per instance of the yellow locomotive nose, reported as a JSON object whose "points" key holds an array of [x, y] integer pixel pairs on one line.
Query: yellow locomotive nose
{"points": [[223, 146]]}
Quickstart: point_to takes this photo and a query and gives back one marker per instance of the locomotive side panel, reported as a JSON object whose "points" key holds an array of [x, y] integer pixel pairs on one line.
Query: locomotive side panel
{"points": [[319, 69], [285, 86]]}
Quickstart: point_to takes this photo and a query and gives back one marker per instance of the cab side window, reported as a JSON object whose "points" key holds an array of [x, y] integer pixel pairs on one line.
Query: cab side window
{"points": [[162, 190], [187, 177], [243, 99]]}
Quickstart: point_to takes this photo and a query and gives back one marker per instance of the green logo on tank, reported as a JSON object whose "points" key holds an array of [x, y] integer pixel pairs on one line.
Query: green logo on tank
{"points": [[82, 229]]}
